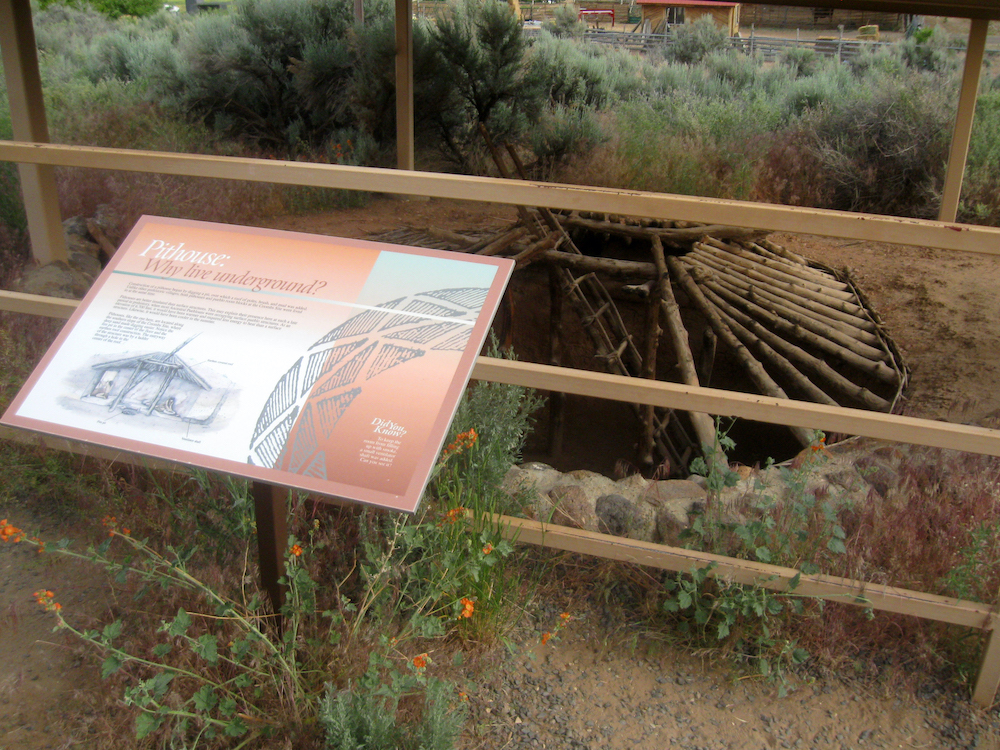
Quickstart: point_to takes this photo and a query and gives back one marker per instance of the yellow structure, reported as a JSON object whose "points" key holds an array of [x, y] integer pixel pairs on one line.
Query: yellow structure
{"points": [[668, 12]]}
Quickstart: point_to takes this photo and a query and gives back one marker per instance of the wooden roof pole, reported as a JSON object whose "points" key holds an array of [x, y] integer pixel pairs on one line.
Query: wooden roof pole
{"points": [[27, 111], [963, 120]]}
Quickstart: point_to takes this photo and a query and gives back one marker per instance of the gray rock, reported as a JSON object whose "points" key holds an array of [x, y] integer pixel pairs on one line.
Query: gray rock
{"points": [[592, 483], [571, 507], [86, 264], [84, 246], [537, 478], [614, 515], [56, 279], [619, 516], [76, 226], [673, 501]]}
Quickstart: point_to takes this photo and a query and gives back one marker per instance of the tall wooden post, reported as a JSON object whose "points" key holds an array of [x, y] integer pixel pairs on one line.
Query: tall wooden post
{"points": [[557, 400], [27, 111], [985, 691], [963, 120], [404, 84], [271, 511]]}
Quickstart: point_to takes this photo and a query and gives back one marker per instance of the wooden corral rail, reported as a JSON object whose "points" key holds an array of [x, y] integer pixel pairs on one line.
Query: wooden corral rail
{"points": [[765, 47]]}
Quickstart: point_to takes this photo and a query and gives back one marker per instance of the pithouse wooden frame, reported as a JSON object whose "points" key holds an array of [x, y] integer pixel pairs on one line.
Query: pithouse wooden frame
{"points": [[37, 159]]}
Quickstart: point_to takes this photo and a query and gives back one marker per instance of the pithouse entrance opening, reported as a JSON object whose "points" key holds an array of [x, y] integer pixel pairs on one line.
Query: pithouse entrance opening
{"points": [[704, 305]]}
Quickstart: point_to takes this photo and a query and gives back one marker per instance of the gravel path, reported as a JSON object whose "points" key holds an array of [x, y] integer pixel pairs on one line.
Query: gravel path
{"points": [[592, 691]]}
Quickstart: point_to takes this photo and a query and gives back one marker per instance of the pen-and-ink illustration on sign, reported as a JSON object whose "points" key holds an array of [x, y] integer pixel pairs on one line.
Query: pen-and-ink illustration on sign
{"points": [[158, 384], [327, 364]]}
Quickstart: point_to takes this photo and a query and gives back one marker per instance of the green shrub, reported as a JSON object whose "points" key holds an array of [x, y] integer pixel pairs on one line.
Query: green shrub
{"points": [[883, 147], [732, 67], [929, 50], [373, 84], [13, 222], [693, 42], [563, 132], [566, 22], [368, 718], [110, 8], [275, 72], [482, 48], [981, 188], [802, 61]]}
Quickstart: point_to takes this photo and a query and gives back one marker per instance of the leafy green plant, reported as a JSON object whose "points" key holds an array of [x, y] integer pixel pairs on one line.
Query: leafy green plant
{"points": [[367, 717], [716, 610], [792, 527], [692, 42]]}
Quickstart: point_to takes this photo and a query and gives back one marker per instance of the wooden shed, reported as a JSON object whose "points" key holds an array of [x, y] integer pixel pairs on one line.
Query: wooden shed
{"points": [[667, 12]]}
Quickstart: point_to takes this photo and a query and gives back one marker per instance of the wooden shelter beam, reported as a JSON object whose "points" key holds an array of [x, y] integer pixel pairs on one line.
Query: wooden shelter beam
{"points": [[404, 84], [28, 122], [962, 134], [822, 222]]}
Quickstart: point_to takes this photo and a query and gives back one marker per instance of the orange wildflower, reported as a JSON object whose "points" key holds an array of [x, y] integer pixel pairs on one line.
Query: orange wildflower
{"points": [[9, 532], [45, 598], [545, 637], [453, 515], [420, 661], [488, 548], [565, 617], [468, 607], [462, 441], [296, 550]]}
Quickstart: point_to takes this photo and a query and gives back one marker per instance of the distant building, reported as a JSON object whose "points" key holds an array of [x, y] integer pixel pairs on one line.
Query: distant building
{"points": [[663, 13], [788, 17]]}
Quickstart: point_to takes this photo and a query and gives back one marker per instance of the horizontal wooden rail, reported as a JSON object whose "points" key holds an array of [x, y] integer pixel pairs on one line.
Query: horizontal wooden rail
{"points": [[748, 406], [842, 224], [774, 577], [35, 304], [673, 396]]}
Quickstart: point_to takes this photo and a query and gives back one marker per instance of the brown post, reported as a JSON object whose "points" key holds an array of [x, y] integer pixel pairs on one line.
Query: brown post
{"points": [[557, 400], [404, 84], [271, 511], [28, 122], [985, 691]]}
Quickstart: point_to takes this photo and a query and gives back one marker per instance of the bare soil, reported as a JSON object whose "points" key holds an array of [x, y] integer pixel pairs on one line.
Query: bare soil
{"points": [[601, 684]]}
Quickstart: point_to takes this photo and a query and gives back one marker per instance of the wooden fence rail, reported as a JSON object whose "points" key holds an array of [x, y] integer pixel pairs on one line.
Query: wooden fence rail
{"points": [[633, 390], [764, 47]]}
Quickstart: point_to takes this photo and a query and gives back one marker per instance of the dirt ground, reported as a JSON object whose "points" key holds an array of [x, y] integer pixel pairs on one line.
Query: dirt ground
{"points": [[597, 686]]}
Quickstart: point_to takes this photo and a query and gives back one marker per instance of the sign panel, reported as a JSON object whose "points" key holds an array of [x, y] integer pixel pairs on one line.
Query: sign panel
{"points": [[325, 364]]}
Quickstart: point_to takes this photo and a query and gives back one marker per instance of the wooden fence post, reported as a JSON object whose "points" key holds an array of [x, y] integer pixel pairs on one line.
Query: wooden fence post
{"points": [[989, 669], [271, 510]]}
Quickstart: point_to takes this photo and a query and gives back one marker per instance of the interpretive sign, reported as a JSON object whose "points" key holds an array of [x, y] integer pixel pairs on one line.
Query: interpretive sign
{"points": [[325, 364]]}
